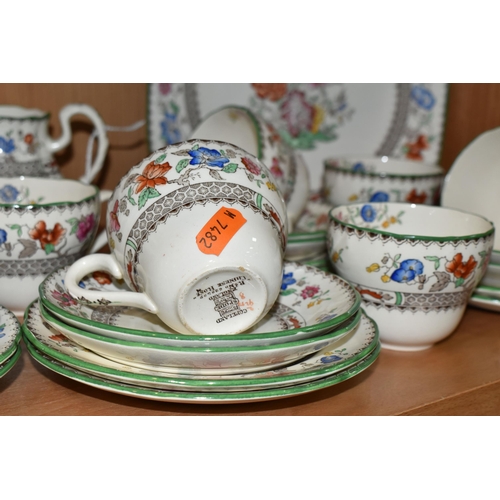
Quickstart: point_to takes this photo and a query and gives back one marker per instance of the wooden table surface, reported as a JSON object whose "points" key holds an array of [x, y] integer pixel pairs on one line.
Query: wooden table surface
{"points": [[459, 376]]}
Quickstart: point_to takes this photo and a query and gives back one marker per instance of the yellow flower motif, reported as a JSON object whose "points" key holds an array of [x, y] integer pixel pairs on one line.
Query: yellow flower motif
{"points": [[270, 186], [374, 267], [393, 220], [335, 256], [385, 278], [385, 224], [353, 197], [313, 303], [112, 243], [319, 115]]}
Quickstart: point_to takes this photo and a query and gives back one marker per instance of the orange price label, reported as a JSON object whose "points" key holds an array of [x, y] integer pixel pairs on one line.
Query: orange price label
{"points": [[219, 230]]}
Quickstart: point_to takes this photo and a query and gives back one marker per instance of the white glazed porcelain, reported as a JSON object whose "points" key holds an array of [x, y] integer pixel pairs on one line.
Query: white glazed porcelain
{"points": [[308, 239], [492, 275], [26, 147], [358, 179], [45, 223], [485, 302], [239, 126], [200, 360], [403, 120], [472, 184], [310, 303], [345, 352], [10, 334], [198, 231], [182, 396], [415, 266], [299, 192]]}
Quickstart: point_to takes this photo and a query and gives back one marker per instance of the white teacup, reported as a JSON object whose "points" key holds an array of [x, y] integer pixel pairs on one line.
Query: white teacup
{"points": [[44, 224], [240, 126], [198, 230], [358, 179], [415, 266]]}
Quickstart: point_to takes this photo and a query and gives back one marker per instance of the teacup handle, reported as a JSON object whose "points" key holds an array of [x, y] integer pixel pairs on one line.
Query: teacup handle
{"points": [[103, 262], [102, 238], [65, 116]]}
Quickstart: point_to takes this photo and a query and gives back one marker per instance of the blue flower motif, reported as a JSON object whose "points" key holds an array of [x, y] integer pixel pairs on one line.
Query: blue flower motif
{"points": [[8, 193], [288, 280], [169, 129], [358, 167], [379, 196], [3, 236], [330, 359], [408, 270], [210, 157], [423, 97], [368, 213], [7, 145]]}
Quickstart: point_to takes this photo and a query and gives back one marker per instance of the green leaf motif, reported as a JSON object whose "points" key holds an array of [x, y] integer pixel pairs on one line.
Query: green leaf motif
{"points": [[129, 197], [49, 248], [230, 168], [195, 147], [288, 291], [436, 260], [160, 159], [459, 282], [146, 195], [182, 165], [16, 227]]}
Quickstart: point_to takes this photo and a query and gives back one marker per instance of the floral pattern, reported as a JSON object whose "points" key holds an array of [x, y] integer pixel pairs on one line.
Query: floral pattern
{"points": [[458, 271]]}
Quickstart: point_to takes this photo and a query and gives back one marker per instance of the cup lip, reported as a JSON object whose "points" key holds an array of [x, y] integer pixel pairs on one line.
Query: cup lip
{"points": [[52, 204], [440, 172], [413, 237], [253, 119], [13, 112]]}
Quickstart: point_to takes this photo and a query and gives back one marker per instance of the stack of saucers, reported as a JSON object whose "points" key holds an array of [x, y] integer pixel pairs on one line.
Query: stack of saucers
{"points": [[315, 336], [487, 294], [10, 335], [307, 241]]}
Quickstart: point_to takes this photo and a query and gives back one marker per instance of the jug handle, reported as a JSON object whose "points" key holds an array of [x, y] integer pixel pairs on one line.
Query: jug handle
{"points": [[65, 116]]}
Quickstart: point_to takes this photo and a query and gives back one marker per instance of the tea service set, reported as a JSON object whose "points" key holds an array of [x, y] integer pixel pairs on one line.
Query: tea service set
{"points": [[227, 280]]}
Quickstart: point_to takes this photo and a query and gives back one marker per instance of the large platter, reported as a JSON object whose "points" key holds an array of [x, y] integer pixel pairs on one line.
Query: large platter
{"points": [[321, 120]]}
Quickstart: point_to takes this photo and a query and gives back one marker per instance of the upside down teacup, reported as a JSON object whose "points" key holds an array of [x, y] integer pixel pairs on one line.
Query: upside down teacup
{"points": [[44, 224], [198, 232], [362, 179], [415, 266]]}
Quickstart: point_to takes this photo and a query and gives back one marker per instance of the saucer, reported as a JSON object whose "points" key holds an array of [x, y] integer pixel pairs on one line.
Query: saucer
{"points": [[485, 302], [477, 165], [195, 360], [311, 303], [200, 397], [10, 334], [308, 238], [8, 364], [338, 356], [492, 275], [492, 292]]}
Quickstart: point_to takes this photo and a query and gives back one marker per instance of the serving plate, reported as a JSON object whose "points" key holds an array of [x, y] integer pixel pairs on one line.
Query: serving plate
{"points": [[339, 355], [321, 120], [485, 302], [201, 397], [8, 363], [311, 303], [471, 183]]}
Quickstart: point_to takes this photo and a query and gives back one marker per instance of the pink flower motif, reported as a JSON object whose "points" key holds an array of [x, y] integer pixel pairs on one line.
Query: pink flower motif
{"points": [[276, 169], [297, 113], [165, 88], [251, 166], [309, 292], [85, 226], [64, 299], [114, 224]]}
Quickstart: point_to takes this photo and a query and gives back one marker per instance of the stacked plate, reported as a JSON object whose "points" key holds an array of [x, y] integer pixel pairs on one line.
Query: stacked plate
{"points": [[315, 336], [10, 335], [487, 294]]}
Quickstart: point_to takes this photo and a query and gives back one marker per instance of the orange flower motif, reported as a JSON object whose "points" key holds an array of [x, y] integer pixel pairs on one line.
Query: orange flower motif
{"points": [[458, 268], [414, 149], [28, 139], [46, 236], [271, 91], [101, 277], [414, 197], [152, 175]]}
